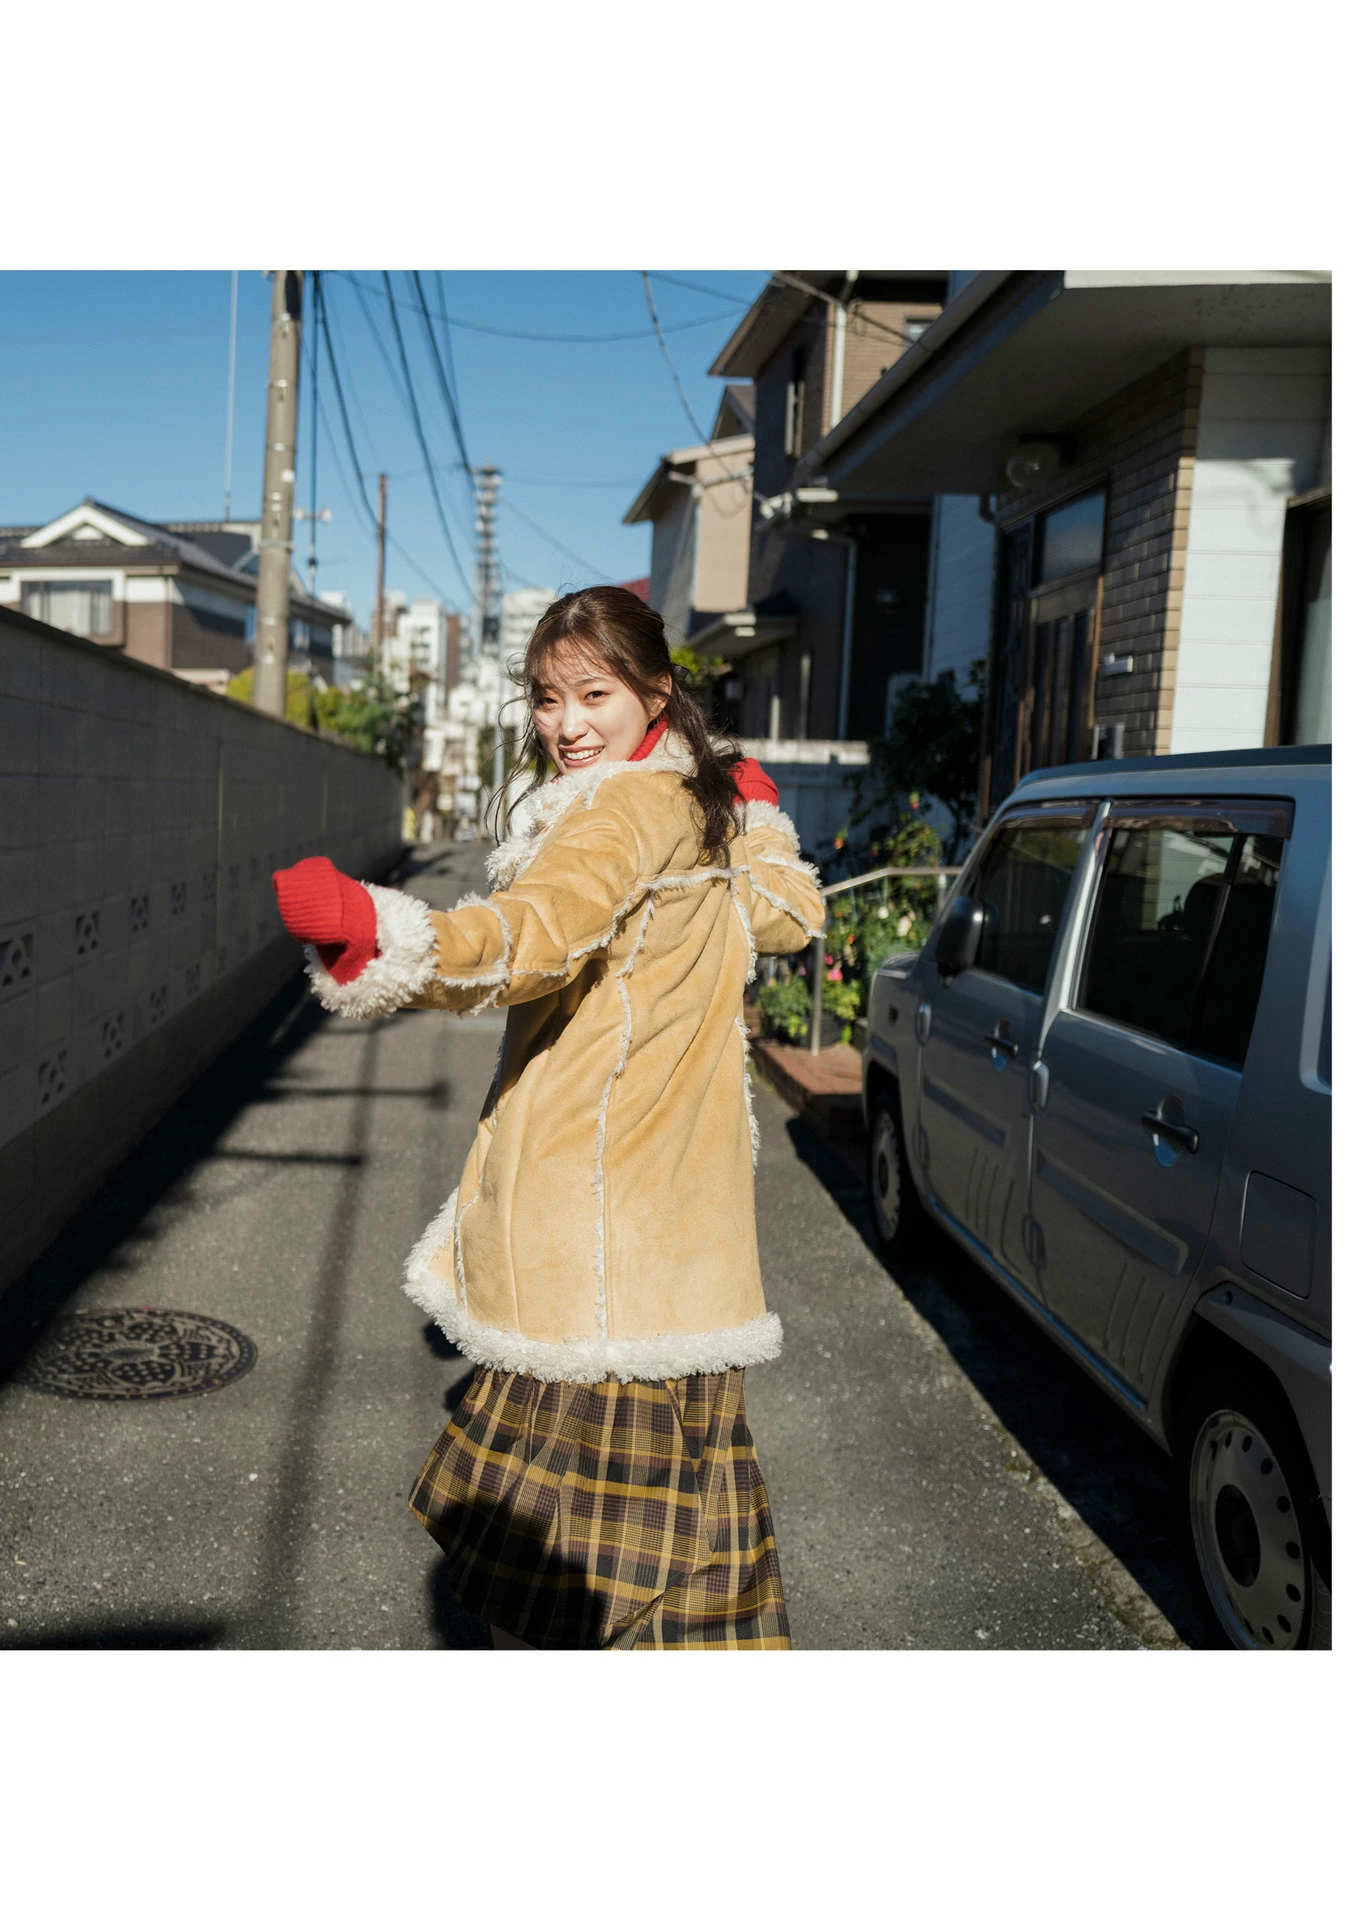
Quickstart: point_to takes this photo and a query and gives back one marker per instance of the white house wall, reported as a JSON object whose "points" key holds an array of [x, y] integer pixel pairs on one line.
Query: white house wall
{"points": [[1263, 436]]}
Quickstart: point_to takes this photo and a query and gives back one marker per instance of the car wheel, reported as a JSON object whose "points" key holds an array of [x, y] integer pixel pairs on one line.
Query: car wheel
{"points": [[1258, 1534], [897, 1207]]}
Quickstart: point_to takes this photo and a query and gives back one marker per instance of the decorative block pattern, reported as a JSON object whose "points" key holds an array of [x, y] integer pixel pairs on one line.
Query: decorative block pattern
{"points": [[52, 1078], [113, 1035], [16, 962], [134, 806]]}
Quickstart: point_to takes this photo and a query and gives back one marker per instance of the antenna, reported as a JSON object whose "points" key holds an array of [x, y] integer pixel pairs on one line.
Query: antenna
{"points": [[230, 385]]}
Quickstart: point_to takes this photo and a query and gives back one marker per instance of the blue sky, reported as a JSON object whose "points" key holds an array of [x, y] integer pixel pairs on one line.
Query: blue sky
{"points": [[114, 385]]}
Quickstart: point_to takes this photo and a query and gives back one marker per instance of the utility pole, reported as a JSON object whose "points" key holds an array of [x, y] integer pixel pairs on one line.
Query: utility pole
{"points": [[378, 637], [489, 627], [279, 497]]}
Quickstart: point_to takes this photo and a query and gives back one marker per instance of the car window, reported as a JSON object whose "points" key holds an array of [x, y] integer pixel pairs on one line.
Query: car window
{"points": [[1023, 884], [1179, 937], [1235, 969]]}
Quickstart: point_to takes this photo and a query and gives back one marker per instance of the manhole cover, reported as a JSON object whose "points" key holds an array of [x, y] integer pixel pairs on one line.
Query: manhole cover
{"points": [[137, 1353]]}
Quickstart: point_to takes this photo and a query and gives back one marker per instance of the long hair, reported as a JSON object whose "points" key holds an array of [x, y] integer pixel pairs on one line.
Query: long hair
{"points": [[617, 629]]}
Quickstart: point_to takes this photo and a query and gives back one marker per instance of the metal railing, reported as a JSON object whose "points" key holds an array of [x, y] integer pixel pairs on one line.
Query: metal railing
{"points": [[940, 875]]}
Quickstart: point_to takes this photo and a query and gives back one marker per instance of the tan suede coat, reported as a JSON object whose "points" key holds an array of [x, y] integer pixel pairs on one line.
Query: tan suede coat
{"points": [[604, 1222]]}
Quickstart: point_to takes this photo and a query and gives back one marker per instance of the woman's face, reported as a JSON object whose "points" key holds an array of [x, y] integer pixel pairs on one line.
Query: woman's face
{"points": [[584, 714]]}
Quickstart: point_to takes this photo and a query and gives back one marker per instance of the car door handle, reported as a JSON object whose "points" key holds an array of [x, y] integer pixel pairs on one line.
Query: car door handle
{"points": [[1003, 1043], [1182, 1136]]}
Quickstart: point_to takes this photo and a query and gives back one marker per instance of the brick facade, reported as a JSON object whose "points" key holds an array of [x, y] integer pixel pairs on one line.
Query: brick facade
{"points": [[1140, 444]]}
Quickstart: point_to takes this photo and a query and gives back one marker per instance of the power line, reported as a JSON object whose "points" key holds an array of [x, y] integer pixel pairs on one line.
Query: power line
{"points": [[344, 359], [453, 412], [321, 308], [322, 312], [422, 438], [519, 333], [715, 293], [567, 552], [743, 479], [403, 392], [537, 480], [864, 319], [437, 587], [446, 332]]}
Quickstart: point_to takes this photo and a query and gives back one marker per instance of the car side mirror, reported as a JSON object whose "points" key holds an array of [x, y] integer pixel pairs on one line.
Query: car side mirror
{"points": [[959, 937]]}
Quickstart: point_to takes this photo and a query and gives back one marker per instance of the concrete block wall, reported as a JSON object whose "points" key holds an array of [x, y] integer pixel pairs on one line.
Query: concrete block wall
{"points": [[140, 821]]}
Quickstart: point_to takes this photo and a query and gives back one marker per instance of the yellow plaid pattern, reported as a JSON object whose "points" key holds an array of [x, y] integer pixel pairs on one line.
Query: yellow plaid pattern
{"points": [[607, 1515]]}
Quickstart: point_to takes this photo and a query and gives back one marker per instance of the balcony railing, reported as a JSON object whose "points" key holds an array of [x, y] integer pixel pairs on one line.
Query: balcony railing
{"points": [[940, 875]]}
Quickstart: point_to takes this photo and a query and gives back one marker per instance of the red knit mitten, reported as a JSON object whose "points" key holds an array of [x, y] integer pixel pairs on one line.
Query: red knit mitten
{"points": [[337, 915], [754, 783]]}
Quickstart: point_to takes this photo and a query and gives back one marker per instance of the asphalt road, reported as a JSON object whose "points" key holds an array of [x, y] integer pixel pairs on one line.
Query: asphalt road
{"points": [[940, 1477]]}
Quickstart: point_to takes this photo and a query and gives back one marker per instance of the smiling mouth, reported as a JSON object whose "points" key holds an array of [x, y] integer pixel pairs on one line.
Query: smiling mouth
{"points": [[579, 756]]}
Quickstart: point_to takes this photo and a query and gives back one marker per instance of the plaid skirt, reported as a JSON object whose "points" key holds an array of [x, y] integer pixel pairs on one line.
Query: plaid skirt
{"points": [[607, 1515]]}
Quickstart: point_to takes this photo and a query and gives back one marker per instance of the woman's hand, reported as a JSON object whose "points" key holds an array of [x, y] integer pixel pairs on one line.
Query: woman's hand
{"points": [[337, 915]]}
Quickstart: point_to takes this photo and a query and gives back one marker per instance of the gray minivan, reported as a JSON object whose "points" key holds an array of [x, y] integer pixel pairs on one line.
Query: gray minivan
{"points": [[1107, 1076]]}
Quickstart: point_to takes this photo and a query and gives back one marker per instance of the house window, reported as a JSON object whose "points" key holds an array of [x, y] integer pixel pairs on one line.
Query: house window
{"points": [[798, 369], [1070, 538], [76, 606], [1303, 667], [1041, 709]]}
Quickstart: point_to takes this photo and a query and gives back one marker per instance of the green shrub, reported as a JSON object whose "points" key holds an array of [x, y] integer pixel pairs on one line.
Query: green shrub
{"points": [[841, 998], [786, 1008]]}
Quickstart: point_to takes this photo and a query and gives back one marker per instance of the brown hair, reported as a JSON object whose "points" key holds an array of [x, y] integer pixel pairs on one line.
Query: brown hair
{"points": [[627, 636]]}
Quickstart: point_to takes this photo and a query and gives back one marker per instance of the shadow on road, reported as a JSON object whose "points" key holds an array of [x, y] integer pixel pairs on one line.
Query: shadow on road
{"points": [[1101, 1464], [107, 1635], [135, 1202]]}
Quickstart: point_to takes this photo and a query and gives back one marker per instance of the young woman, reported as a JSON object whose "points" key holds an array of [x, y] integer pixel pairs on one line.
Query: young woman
{"points": [[597, 1485]]}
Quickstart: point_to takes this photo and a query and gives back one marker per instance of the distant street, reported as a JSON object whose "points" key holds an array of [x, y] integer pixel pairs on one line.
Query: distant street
{"points": [[939, 1477]]}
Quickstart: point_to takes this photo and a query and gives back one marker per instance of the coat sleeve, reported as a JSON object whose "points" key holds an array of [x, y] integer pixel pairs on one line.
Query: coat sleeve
{"points": [[523, 941], [776, 889]]}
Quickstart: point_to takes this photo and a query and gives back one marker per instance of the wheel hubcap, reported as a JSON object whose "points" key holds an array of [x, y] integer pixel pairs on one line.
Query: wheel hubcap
{"points": [[886, 1183], [1247, 1534]]}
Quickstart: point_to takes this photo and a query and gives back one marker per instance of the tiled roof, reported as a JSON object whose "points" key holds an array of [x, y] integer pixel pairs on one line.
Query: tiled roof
{"points": [[208, 550]]}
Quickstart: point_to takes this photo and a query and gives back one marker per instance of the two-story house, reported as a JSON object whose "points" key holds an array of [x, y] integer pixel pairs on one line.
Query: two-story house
{"points": [[835, 604], [699, 503], [1134, 469], [180, 594]]}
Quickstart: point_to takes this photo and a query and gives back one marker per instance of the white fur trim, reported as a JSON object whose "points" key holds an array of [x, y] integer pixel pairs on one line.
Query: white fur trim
{"points": [[752, 1126], [405, 963], [431, 1242], [695, 878], [543, 805], [498, 978], [804, 867], [659, 1356], [785, 907], [598, 1171], [760, 813], [747, 932]]}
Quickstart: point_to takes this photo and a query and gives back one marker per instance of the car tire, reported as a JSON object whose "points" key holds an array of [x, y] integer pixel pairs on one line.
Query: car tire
{"points": [[899, 1218], [1260, 1544]]}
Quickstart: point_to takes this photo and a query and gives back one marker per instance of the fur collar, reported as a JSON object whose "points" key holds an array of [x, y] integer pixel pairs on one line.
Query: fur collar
{"points": [[545, 804]]}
